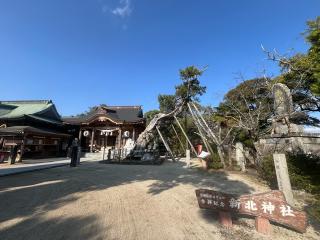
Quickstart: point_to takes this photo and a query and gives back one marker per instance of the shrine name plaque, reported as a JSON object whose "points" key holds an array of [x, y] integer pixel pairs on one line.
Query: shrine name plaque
{"points": [[269, 205]]}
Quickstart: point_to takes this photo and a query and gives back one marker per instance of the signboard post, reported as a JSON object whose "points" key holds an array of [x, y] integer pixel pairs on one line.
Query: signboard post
{"points": [[225, 219], [264, 206]]}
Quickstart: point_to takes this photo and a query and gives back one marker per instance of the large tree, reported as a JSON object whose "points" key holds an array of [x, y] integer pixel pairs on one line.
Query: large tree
{"points": [[189, 90], [247, 108]]}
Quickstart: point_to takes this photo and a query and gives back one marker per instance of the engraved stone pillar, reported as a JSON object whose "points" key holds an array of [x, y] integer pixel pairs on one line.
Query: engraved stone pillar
{"points": [[280, 164]]}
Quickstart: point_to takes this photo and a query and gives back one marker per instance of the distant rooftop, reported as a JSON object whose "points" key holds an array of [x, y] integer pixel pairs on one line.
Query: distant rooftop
{"points": [[118, 114]]}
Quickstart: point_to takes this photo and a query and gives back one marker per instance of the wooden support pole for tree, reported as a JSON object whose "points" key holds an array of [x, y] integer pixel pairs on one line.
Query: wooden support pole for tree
{"points": [[211, 134], [199, 128], [202, 130], [205, 123], [214, 138], [184, 133], [165, 144], [197, 119], [175, 131]]}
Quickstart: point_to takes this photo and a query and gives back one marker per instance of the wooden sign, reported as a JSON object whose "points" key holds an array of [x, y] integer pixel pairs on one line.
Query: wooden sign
{"points": [[270, 205]]}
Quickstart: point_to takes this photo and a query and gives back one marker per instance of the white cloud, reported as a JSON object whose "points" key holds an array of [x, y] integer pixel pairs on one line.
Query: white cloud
{"points": [[124, 10]]}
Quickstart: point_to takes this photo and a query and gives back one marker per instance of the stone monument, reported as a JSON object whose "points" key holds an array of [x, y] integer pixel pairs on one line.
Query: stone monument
{"points": [[283, 108], [286, 136]]}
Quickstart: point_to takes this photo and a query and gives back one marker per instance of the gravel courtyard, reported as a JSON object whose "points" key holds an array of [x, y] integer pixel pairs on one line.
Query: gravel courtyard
{"points": [[101, 201]]}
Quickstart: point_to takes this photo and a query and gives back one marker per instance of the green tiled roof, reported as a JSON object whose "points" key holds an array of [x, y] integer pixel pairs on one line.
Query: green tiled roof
{"points": [[16, 109], [44, 119]]}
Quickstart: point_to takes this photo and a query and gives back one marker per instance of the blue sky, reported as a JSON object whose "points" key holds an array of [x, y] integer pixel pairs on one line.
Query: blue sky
{"points": [[81, 53]]}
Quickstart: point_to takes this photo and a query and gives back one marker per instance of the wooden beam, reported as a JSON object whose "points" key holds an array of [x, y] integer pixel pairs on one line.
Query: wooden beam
{"points": [[165, 144], [174, 129], [184, 133], [198, 124], [205, 123]]}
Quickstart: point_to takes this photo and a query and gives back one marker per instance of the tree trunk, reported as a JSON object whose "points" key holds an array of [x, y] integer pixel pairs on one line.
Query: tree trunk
{"points": [[257, 155]]}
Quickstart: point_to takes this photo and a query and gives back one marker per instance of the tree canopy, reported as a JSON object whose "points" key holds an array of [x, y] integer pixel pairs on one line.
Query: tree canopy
{"points": [[301, 72], [247, 108], [167, 103], [190, 88]]}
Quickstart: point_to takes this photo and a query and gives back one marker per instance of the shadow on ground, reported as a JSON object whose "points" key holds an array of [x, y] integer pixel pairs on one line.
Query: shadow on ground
{"points": [[27, 196]]}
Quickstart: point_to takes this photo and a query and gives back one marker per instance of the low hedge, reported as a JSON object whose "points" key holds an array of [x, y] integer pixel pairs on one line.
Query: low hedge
{"points": [[304, 172]]}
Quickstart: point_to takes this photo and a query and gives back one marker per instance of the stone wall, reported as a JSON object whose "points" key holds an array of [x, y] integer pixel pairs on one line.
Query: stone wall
{"points": [[305, 142]]}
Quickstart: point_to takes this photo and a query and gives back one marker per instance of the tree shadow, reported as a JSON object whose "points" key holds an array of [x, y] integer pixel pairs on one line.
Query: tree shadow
{"points": [[25, 196], [218, 181], [313, 208], [37, 227]]}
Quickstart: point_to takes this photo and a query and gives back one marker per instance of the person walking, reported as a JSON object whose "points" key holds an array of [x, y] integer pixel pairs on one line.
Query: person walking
{"points": [[13, 154]]}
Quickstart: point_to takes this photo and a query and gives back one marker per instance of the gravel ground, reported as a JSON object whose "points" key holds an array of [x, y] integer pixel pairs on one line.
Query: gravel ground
{"points": [[101, 201]]}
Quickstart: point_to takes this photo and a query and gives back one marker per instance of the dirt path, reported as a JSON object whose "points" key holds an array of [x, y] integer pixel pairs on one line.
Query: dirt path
{"points": [[99, 201]]}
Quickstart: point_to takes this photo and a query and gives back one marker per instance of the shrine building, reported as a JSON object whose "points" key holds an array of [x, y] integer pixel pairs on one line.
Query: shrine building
{"points": [[34, 127], [108, 127]]}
